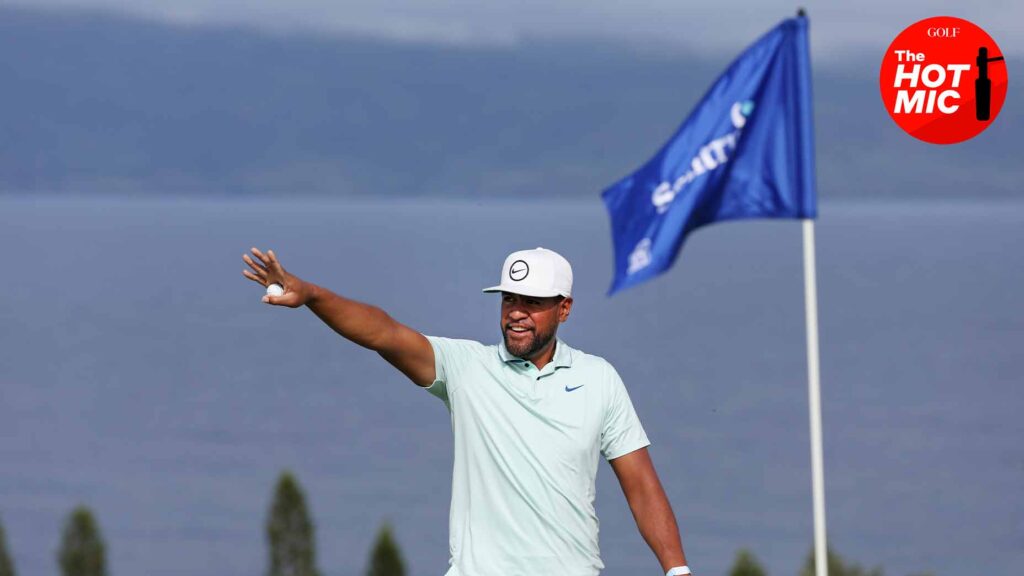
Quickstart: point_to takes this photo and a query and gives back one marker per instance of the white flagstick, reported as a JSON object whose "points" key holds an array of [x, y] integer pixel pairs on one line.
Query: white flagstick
{"points": [[814, 397]]}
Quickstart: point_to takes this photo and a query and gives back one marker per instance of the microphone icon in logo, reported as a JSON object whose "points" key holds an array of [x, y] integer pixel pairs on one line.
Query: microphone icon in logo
{"points": [[983, 86]]}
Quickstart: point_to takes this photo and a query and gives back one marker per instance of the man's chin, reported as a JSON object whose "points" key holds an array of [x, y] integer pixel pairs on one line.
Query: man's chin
{"points": [[519, 347], [527, 346]]}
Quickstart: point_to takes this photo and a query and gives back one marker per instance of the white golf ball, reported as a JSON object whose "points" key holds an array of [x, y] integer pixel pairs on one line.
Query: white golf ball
{"points": [[275, 290]]}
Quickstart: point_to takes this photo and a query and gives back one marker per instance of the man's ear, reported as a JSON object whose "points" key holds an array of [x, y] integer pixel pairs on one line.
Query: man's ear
{"points": [[564, 307]]}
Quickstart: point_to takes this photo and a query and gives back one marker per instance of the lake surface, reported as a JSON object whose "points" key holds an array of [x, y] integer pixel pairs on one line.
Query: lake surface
{"points": [[142, 376]]}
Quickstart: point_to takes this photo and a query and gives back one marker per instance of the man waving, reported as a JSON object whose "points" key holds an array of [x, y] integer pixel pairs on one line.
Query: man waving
{"points": [[530, 416]]}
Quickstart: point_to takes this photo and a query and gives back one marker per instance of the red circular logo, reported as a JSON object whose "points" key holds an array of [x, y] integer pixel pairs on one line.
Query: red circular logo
{"points": [[943, 80]]}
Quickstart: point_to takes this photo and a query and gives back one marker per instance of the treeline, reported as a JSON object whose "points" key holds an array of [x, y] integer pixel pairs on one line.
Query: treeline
{"points": [[290, 534], [746, 564], [291, 545]]}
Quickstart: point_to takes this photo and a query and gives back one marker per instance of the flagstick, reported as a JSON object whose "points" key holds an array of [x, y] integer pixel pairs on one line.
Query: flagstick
{"points": [[814, 397]]}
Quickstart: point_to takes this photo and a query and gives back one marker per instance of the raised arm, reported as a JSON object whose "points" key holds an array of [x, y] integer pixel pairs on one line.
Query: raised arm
{"points": [[650, 507], [366, 325]]}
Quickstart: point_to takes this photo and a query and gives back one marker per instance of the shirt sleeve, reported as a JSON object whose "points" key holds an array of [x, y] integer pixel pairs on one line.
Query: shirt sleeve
{"points": [[621, 432], [447, 355]]}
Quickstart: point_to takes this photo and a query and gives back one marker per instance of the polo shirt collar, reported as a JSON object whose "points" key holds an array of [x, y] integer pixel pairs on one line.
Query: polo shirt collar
{"points": [[562, 358]]}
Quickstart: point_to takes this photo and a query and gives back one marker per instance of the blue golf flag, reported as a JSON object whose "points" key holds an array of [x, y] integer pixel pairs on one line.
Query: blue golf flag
{"points": [[746, 151]]}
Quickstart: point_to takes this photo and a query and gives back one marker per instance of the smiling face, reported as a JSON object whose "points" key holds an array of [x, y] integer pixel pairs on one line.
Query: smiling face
{"points": [[529, 324]]}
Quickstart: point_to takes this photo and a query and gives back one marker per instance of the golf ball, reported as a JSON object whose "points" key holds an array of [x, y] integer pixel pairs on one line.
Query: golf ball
{"points": [[275, 290]]}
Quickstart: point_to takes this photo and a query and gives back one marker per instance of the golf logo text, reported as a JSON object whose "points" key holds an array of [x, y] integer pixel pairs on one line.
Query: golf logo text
{"points": [[709, 158], [943, 80]]}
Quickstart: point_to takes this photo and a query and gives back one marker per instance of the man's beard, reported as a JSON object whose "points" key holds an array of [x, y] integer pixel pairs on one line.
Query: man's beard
{"points": [[526, 349]]}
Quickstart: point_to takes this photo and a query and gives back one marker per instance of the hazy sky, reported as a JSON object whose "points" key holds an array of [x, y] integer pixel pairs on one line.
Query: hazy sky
{"points": [[839, 29]]}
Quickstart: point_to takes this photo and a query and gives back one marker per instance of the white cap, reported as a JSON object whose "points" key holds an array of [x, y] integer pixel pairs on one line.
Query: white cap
{"points": [[540, 273]]}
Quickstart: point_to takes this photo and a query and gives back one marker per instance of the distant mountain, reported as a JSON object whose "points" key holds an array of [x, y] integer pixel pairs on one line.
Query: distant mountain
{"points": [[94, 103]]}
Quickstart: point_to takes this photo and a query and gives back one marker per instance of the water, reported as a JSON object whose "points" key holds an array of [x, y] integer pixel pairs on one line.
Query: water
{"points": [[142, 376]]}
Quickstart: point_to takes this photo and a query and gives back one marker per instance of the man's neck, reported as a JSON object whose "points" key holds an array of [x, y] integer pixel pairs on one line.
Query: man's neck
{"points": [[545, 355]]}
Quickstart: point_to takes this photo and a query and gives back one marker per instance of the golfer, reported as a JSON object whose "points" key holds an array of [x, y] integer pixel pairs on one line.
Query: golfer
{"points": [[530, 417]]}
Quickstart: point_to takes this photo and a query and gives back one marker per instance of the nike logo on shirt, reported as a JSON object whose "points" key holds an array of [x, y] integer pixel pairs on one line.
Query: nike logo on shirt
{"points": [[567, 389]]}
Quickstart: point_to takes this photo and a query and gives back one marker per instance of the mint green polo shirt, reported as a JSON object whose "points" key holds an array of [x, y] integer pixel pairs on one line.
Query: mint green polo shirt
{"points": [[527, 443]]}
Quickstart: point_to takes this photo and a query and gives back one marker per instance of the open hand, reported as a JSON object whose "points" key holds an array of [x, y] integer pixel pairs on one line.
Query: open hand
{"points": [[266, 270]]}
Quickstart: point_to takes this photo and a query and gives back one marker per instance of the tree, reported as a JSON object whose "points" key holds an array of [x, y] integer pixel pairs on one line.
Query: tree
{"points": [[746, 565], [385, 559], [82, 552], [290, 531], [6, 564], [838, 567]]}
